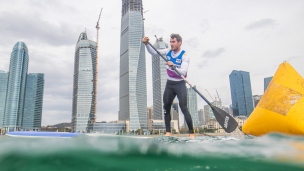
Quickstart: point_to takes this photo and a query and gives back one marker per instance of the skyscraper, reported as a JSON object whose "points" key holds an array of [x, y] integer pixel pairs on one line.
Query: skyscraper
{"points": [[32, 113], [266, 82], [132, 74], [175, 113], [241, 94], [192, 105], [208, 113], [84, 85], [3, 90], [159, 79], [16, 87], [201, 117]]}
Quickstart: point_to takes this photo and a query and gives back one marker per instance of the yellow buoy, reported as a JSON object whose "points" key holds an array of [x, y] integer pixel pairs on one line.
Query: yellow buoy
{"points": [[281, 108]]}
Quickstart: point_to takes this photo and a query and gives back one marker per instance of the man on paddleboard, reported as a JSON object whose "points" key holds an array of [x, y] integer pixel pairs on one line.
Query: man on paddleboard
{"points": [[175, 85]]}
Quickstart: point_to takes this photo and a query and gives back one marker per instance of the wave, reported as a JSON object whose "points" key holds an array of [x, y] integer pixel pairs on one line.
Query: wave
{"points": [[94, 153]]}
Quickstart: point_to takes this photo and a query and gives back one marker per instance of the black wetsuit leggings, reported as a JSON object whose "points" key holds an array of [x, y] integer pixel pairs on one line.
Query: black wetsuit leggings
{"points": [[176, 88]]}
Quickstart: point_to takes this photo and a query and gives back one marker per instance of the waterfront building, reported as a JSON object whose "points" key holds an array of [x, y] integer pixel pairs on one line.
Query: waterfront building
{"points": [[201, 117], [3, 90], [132, 74], [16, 87], [266, 82], [192, 106], [32, 112], [241, 94], [159, 79], [175, 113], [84, 85], [240, 120], [108, 128], [213, 124], [256, 99], [150, 112], [207, 112], [159, 125]]}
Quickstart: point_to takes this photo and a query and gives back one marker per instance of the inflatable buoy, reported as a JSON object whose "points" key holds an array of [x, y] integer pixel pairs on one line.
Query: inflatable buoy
{"points": [[281, 108]]}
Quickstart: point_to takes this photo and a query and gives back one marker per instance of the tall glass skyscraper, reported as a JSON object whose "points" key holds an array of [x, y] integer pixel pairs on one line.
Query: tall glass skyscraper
{"points": [[241, 94], [132, 74], [16, 87], [84, 85], [266, 82], [3, 90], [192, 105], [32, 113], [159, 79]]}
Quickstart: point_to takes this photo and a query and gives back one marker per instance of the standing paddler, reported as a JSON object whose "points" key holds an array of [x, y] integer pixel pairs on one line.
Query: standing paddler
{"points": [[175, 85]]}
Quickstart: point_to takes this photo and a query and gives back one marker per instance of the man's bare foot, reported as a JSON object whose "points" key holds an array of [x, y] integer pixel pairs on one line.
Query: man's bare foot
{"points": [[191, 136], [168, 134]]}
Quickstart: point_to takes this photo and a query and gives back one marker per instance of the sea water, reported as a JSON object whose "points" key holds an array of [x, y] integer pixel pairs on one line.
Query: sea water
{"points": [[275, 152]]}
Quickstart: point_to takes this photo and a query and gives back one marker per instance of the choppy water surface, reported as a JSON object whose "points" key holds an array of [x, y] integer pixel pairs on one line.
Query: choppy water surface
{"points": [[115, 153]]}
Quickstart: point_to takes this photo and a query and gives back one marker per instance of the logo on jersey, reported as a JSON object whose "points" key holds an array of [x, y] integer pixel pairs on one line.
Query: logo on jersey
{"points": [[178, 60], [168, 57]]}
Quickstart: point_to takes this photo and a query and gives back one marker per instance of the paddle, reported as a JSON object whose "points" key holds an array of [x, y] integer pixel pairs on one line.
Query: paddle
{"points": [[227, 122]]}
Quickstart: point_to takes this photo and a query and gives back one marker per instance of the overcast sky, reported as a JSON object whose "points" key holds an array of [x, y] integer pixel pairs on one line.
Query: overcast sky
{"points": [[219, 36]]}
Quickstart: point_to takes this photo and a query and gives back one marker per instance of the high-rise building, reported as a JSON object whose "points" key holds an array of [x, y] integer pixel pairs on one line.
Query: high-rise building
{"points": [[132, 74], [159, 79], [150, 112], [192, 105], [201, 117], [3, 90], [241, 94], [32, 112], [208, 112], [256, 99], [84, 85], [175, 113], [16, 87], [266, 82]]}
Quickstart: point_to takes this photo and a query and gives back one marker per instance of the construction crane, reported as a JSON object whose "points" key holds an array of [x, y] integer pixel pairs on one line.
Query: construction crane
{"points": [[143, 14], [96, 71], [218, 96], [209, 94]]}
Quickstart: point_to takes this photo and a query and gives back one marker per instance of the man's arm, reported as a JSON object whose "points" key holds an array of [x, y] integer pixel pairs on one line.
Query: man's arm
{"points": [[145, 40], [153, 52]]}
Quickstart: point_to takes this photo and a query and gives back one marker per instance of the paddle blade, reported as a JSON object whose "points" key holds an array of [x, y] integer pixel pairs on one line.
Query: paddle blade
{"points": [[227, 122]]}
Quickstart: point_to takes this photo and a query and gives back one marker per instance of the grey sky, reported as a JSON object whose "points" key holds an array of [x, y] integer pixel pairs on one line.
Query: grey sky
{"points": [[219, 36]]}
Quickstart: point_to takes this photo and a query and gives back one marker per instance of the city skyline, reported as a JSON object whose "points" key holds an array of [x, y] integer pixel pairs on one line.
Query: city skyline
{"points": [[21, 93], [263, 35]]}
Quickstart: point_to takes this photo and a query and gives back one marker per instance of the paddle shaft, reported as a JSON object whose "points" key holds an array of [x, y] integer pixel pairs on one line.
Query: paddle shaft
{"points": [[200, 94]]}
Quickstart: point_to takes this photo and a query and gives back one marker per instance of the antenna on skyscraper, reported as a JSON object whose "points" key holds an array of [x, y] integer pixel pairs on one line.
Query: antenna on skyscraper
{"points": [[156, 38]]}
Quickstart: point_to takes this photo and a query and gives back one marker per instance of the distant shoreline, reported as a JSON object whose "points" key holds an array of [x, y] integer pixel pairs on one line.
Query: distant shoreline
{"points": [[185, 135]]}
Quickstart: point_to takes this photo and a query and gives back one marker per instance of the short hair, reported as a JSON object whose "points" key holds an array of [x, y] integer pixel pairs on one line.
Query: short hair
{"points": [[177, 36]]}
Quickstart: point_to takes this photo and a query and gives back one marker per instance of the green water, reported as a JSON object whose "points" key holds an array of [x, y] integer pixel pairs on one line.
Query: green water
{"points": [[93, 153]]}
